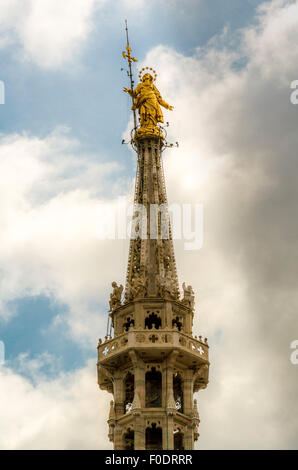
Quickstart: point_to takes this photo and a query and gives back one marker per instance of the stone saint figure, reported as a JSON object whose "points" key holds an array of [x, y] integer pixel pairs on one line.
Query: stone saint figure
{"points": [[189, 297], [115, 296], [147, 100], [137, 288]]}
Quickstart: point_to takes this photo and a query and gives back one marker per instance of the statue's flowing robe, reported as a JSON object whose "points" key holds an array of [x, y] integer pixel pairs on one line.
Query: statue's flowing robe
{"points": [[147, 101]]}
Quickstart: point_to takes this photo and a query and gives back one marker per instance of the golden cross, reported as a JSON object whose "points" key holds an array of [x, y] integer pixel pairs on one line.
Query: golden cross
{"points": [[128, 55]]}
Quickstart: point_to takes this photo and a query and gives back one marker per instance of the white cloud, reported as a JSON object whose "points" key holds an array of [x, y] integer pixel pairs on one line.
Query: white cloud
{"points": [[50, 194], [274, 39], [50, 32], [64, 413], [37, 368]]}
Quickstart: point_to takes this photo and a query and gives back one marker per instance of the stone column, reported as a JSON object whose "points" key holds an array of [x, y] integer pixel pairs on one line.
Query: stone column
{"points": [[139, 377], [188, 438], [118, 438], [139, 316], [168, 400], [164, 385], [168, 431], [118, 387], [167, 384], [188, 392], [139, 443], [168, 313], [188, 323]]}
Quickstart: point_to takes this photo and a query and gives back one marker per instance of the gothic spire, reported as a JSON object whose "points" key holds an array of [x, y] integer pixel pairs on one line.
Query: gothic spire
{"points": [[151, 268]]}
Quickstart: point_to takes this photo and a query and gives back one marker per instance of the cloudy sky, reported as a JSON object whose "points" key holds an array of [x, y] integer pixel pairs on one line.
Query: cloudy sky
{"points": [[227, 68]]}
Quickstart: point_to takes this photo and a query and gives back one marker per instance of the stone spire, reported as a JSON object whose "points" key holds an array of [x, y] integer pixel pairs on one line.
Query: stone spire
{"points": [[151, 268], [153, 364]]}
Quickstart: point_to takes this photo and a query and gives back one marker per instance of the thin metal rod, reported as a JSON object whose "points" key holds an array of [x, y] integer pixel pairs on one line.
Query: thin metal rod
{"points": [[108, 323], [111, 326], [131, 79]]}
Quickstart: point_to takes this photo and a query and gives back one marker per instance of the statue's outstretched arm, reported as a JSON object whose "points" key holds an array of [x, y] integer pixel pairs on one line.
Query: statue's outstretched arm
{"points": [[133, 93], [129, 91], [161, 101], [166, 105]]}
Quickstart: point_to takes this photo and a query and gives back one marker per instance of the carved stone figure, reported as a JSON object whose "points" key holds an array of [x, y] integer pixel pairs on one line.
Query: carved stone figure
{"points": [[189, 297], [167, 286], [137, 288], [115, 296], [128, 296], [170, 285]]}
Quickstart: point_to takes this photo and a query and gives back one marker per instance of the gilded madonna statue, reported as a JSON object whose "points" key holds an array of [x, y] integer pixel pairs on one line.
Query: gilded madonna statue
{"points": [[148, 101]]}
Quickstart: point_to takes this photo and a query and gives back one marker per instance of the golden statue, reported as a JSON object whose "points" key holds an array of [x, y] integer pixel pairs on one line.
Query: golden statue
{"points": [[147, 100]]}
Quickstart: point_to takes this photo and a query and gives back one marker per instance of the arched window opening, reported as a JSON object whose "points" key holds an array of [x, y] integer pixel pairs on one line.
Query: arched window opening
{"points": [[129, 440], [178, 392], [176, 322], [153, 388], [129, 322], [129, 392], [178, 440], [153, 320], [153, 437]]}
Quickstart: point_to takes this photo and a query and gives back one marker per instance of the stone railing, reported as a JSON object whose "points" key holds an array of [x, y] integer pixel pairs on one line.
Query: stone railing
{"points": [[112, 345], [165, 338]]}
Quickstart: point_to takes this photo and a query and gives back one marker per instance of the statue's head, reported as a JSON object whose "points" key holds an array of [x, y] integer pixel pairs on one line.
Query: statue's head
{"points": [[147, 74], [114, 284], [147, 78]]}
